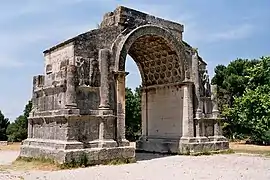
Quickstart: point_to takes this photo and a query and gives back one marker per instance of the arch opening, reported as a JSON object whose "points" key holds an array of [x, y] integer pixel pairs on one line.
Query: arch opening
{"points": [[161, 71]]}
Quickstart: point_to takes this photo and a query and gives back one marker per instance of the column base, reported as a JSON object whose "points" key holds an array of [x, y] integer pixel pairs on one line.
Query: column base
{"points": [[70, 110], [201, 139], [217, 138], [158, 145], [105, 111], [183, 145], [106, 143], [123, 142]]}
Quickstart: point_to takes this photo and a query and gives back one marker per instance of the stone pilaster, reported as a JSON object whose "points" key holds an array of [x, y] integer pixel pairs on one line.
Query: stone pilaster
{"points": [[104, 58], [144, 108], [103, 141], [195, 69], [187, 125], [120, 88], [30, 129], [215, 115], [215, 111], [71, 88], [198, 101]]}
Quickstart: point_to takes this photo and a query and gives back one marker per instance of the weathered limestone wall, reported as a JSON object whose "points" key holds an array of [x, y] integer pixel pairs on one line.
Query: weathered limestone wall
{"points": [[124, 16], [87, 47], [49, 90], [49, 128], [83, 129], [56, 62], [164, 116]]}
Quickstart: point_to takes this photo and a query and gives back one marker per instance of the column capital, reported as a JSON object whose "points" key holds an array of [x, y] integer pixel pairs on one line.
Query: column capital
{"points": [[120, 73]]}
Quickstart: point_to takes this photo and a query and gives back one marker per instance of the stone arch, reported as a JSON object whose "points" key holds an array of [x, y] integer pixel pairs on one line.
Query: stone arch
{"points": [[163, 65], [165, 46], [91, 118]]}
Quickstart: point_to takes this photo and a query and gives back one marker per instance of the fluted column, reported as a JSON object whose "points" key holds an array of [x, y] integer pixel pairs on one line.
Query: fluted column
{"points": [[144, 116], [215, 111], [104, 58], [71, 87], [196, 78], [30, 129], [120, 88], [198, 103], [187, 126]]}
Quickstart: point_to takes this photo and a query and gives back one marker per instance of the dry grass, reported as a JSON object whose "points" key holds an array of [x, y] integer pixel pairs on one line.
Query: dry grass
{"points": [[241, 147], [26, 165], [11, 147]]}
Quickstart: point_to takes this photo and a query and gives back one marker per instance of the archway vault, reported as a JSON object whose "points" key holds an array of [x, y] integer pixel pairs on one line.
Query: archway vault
{"points": [[160, 57]]}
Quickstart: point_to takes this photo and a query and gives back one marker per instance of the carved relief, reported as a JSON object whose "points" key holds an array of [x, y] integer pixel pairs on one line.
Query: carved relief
{"points": [[204, 83], [94, 73], [88, 72], [83, 71]]}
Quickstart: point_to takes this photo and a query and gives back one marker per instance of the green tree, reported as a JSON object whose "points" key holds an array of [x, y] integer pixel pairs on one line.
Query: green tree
{"points": [[251, 114], [4, 122], [247, 110], [133, 114], [232, 81], [17, 131]]}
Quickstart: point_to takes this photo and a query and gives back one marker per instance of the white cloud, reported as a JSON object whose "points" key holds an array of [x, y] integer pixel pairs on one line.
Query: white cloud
{"points": [[239, 32]]}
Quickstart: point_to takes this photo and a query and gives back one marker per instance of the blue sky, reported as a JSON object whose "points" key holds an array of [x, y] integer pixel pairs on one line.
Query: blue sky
{"points": [[223, 30]]}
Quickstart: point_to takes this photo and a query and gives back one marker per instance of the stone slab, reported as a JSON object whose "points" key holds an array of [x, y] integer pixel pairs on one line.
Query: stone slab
{"points": [[177, 146], [94, 156]]}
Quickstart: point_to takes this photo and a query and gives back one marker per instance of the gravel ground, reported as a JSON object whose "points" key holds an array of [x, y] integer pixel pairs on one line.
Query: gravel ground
{"points": [[6, 157], [154, 167]]}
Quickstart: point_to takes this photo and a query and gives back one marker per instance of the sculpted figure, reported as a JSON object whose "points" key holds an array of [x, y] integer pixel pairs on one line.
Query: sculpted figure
{"points": [[94, 74], [202, 80], [207, 87], [80, 64]]}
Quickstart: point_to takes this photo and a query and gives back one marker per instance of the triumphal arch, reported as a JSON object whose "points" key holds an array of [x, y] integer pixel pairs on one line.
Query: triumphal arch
{"points": [[79, 102]]}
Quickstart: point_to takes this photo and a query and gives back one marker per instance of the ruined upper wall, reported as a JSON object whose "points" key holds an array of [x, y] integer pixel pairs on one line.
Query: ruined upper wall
{"points": [[123, 16]]}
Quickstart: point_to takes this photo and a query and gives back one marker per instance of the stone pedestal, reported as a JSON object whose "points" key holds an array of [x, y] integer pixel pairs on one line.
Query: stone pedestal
{"points": [[68, 138], [73, 152]]}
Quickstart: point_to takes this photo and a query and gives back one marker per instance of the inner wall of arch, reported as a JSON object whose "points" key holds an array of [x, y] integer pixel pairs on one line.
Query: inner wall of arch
{"points": [[161, 107], [158, 62]]}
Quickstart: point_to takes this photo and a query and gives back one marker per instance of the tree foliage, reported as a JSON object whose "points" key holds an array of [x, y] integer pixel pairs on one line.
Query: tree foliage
{"points": [[4, 122], [244, 99], [133, 114], [17, 131]]}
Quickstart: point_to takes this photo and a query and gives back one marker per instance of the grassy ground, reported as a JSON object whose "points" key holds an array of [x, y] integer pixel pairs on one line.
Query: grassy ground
{"points": [[20, 164], [24, 165], [241, 147], [11, 147]]}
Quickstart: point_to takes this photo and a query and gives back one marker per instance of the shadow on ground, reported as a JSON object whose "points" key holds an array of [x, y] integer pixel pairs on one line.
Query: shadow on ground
{"points": [[143, 156]]}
